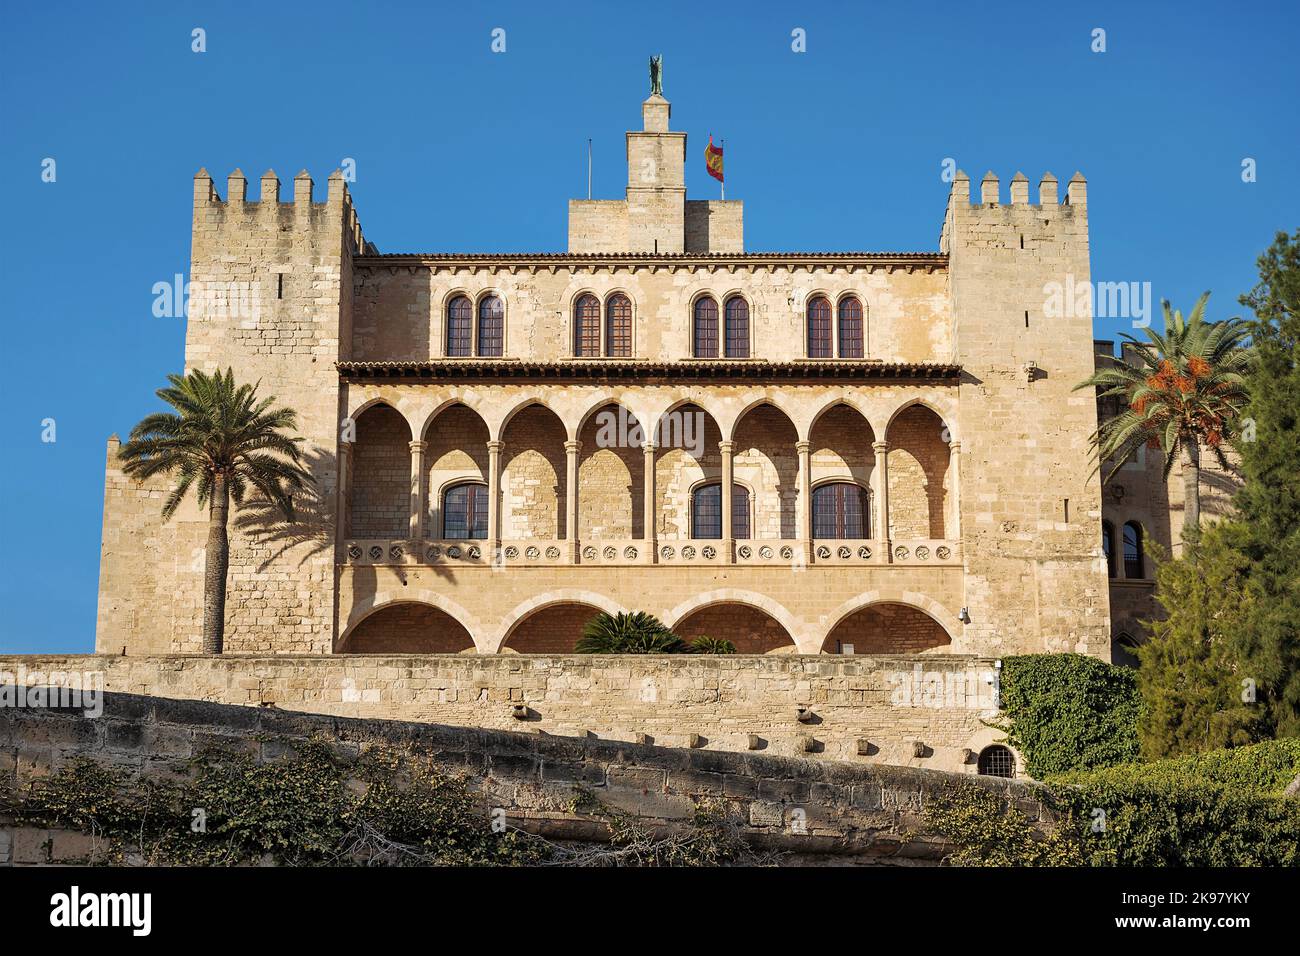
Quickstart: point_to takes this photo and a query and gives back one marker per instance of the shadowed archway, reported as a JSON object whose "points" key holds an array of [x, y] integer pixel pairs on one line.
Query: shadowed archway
{"points": [[553, 629], [408, 627], [752, 630], [886, 628]]}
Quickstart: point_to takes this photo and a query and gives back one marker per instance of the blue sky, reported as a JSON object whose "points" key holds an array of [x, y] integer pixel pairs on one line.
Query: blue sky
{"points": [[461, 149]]}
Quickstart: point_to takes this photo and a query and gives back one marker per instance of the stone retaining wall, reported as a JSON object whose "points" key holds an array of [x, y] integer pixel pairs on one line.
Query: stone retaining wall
{"points": [[924, 712], [804, 807]]}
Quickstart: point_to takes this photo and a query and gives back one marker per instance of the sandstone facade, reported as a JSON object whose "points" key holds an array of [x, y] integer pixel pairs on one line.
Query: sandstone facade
{"points": [[956, 434]]}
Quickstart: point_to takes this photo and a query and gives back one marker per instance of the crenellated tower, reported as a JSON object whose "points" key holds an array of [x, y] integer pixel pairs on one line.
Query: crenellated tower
{"points": [[1022, 333], [270, 296]]}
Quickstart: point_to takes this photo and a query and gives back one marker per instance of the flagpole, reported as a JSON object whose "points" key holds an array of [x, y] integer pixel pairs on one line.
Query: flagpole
{"points": [[723, 181], [588, 167]]}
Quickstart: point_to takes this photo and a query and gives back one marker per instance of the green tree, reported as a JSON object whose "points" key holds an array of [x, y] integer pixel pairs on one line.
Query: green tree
{"points": [[220, 441], [1233, 598], [623, 633], [1185, 391], [1190, 670], [1268, 506]]}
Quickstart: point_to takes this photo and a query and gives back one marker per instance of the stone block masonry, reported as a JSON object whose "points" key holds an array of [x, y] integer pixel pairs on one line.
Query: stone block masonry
{"points": [[868, 710], [811, 809]]}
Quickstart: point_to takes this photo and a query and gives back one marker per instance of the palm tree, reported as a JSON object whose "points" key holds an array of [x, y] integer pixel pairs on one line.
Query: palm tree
{"points": [[1186, 390], [222, 440], [712, 645], [623, 633]]}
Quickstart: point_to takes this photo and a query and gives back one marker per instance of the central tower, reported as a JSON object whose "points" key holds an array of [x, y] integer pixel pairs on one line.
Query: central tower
{"points": [[655, 217]]}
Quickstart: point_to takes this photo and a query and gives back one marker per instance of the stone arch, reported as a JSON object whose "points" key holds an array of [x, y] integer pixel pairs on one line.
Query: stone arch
{"points": [[841, 437], [599, 400], [425, 416], [455, 450], [690, 454], [845, 400], [408, 627], [906, 624], [731, 597], [611, 476], [563, 597], [379, 479], [700, 399], [752, 630], [765, 460], [534, 475], [918, 473], [498, 424], [367, 607], [946, 415]]}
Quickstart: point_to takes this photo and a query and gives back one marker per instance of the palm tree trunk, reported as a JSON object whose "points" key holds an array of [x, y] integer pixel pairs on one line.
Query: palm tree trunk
{"points": [[1191, 486], [216, 562]]}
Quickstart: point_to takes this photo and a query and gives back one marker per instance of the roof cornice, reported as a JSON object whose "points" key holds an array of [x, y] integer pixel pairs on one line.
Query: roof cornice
{"points": [[909, 261], [648, 372]]}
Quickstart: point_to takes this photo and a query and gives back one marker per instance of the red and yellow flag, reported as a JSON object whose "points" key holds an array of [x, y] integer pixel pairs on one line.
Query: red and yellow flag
{"points": [[713, 159]]}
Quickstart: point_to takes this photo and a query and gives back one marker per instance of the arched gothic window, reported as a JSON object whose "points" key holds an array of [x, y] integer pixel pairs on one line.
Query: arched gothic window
{"points": [[706, 511], [840, 510], [737, 327], [850, 327], [706, 327], [819, 328], [465, 512], [491, 327], [618, 326], [586, 327], [1134, 566], [460, 327]]}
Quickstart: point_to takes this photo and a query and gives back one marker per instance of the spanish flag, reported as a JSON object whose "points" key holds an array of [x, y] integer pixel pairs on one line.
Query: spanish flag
{"points": [[713, 159]]}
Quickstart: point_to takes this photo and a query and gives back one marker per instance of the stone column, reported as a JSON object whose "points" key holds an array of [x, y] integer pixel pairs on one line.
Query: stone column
{"points": [[881, 476], [571, 450], [344, 522], [648, 505], [803, 504], [494, 494], [728, 497], [417, 489], [953, 529]]}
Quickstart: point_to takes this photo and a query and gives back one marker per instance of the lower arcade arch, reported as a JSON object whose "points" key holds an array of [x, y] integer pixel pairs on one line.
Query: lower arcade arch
{"points": [[408, 627], [553, 629], [887, 628], [750, 629]]}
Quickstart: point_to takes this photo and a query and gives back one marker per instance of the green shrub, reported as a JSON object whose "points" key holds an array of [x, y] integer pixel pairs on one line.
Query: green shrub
{"points": [[1068, 712], [1173, 823], [1266, 768], [712, 645], [1216, 809], [986, 831], [623, 633], [397, 809]]}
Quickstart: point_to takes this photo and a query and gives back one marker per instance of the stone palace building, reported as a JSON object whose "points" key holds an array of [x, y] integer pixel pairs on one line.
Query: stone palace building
{"points": [[870, 453]]}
